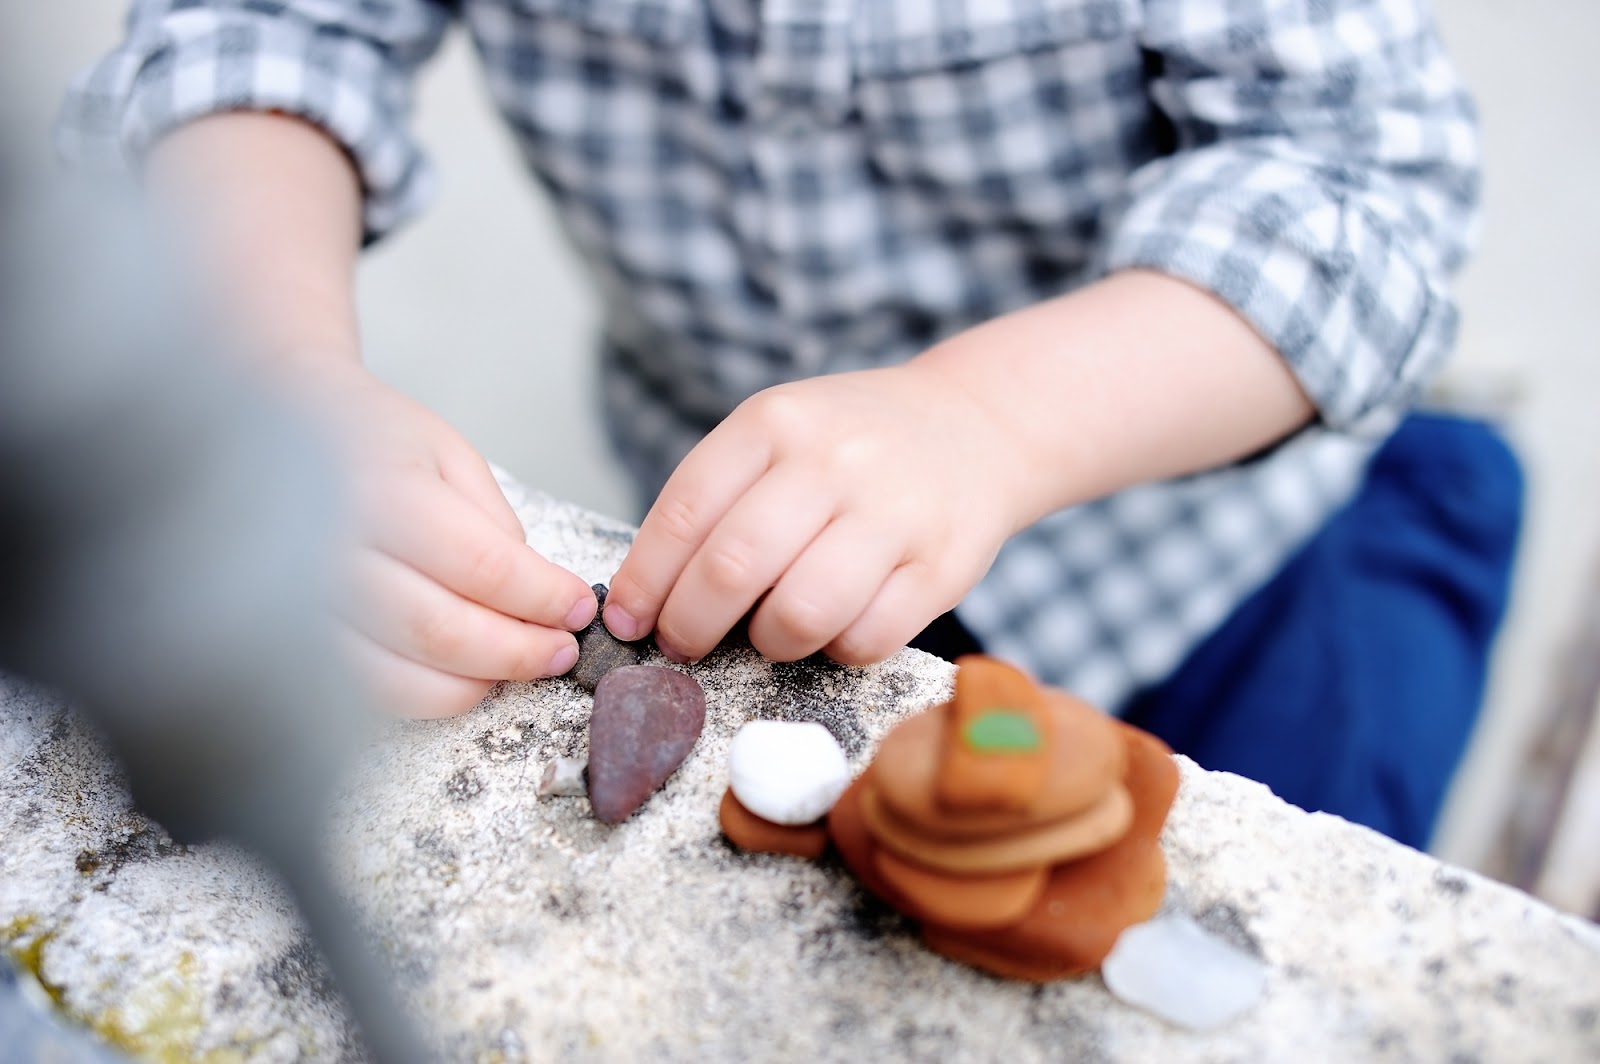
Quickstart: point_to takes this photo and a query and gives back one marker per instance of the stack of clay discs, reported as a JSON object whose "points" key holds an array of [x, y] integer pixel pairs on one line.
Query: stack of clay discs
{"points": [[1018, 824]]}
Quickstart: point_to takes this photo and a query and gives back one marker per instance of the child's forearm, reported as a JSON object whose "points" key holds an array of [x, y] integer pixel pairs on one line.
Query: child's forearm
{"points": [[1139, 377], [274, 208]]}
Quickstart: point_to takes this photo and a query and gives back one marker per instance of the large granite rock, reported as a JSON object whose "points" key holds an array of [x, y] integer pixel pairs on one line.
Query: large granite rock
{"points": [[528, 930]]}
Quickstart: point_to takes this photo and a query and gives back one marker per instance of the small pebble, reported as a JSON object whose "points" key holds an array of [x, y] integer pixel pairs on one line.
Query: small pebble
{"points": [[646, 720], [1176, 969], [787, 772], [598, 650], [564, 778]]}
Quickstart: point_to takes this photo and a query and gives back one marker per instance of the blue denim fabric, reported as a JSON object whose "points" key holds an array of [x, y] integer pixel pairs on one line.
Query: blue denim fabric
{"points": [[1351, 682]]}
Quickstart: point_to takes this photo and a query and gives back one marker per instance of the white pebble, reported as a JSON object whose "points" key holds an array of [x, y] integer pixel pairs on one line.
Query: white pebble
{"points": [[787, 772], [1176, 969]]}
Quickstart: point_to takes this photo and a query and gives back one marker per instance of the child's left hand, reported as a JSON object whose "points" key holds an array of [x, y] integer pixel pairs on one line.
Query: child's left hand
{"points": [[849, 510]]}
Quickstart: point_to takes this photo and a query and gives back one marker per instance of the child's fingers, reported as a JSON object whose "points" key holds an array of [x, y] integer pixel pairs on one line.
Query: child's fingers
{"points": [[825, 590], [908, 600], [420, 620], [697, 496], [456, 544], [466, 471], [404, 688], [742, 557]]}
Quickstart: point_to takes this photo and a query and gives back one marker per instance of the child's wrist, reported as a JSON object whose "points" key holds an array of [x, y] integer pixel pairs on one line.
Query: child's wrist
{"points": [[1002, 455]]}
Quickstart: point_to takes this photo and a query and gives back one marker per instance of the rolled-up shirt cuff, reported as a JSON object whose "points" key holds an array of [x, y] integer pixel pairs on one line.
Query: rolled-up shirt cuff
{"points": [[1321, 277], [196, 63]]}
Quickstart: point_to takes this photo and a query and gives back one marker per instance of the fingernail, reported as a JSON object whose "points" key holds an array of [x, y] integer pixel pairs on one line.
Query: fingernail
{"points": [[581, 614], [564, 660], [672, 654], [622, 624]]}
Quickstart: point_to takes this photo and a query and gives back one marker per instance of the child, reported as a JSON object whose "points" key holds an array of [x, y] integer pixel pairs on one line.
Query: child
{"points": [[1086, 315]]}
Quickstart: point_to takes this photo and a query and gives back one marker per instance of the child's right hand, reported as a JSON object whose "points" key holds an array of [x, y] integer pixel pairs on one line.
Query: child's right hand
{"points": [[447, 597]]}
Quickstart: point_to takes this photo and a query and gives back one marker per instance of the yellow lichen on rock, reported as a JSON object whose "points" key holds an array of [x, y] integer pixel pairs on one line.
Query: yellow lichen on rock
{"points": [[163, 1021]]}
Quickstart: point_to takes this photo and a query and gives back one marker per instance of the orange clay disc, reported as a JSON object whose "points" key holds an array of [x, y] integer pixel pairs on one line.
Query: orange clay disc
{"points": [[1084, 907], [969, 950], [750, 832], [848, 830], [1152, 779], [1076, 836], [968, 903]]}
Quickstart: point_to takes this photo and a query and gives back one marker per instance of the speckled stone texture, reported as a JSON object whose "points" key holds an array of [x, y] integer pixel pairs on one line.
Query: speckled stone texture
{"points": [[527, 930]]}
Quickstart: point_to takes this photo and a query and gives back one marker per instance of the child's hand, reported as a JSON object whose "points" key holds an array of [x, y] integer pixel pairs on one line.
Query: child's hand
{"points": [[448, 596], [850, 510]]}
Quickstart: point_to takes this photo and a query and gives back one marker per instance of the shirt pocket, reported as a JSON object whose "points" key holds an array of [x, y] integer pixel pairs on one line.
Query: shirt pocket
{"points": [[574, 77], [1010, 111]]}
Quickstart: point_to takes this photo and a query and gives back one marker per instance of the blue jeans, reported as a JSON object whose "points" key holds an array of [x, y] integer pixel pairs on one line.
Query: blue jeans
{"points": [[1351, 682]]}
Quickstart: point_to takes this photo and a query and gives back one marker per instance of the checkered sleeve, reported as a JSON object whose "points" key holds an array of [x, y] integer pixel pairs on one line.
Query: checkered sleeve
{"points": [[344, 65], [1324, 182]]}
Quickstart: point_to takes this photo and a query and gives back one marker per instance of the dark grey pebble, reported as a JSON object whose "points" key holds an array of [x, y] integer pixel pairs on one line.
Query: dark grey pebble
{"points": [[599, 651]]}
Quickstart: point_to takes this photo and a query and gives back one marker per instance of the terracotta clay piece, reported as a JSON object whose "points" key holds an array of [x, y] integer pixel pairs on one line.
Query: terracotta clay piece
{"points": [[750, 832], [1028, 847], [1018, 824], [646, 720], [598, 650], [976, 774]]}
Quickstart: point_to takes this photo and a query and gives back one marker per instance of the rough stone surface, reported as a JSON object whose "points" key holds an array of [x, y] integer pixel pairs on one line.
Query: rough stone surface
{"points": [[528, 930]]}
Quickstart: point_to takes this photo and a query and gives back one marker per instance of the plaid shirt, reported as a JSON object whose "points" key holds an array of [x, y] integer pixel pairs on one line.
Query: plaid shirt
{"points": [[771, 189]]}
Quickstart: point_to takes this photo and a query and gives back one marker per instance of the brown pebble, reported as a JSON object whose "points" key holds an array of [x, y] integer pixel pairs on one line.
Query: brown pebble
{"points": [[758, 835], [646, 719]]}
